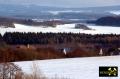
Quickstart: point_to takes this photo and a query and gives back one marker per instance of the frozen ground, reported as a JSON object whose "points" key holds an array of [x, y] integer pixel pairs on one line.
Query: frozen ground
{"points": [[63, 28], [74, 68]]}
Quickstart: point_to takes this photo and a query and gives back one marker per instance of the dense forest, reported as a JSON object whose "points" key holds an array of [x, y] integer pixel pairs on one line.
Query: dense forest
{"points": [[60, 38], [30, 46]]}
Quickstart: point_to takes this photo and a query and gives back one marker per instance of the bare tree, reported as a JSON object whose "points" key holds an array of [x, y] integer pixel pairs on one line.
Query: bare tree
{"points": [[9, 71]]}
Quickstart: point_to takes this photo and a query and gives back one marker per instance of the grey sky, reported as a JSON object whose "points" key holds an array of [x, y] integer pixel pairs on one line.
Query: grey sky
{"points": [[64, 3]]}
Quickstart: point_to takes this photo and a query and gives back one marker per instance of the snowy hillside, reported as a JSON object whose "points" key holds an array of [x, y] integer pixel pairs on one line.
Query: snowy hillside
{"points": [[74, 68], [63, 28], [115, 12]]}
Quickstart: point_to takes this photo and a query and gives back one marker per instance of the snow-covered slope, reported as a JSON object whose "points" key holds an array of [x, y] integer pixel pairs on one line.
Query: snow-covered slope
{"points": [[115, 12], [63, 28], [74, 68]]}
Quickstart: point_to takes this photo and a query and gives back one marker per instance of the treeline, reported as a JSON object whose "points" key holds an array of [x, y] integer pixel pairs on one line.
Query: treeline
{"points": [[85, 45], [60, 38], [12, 54]]}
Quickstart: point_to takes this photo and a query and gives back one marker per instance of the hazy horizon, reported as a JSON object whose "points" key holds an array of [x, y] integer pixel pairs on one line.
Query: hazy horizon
{"points": [[64, 3]]}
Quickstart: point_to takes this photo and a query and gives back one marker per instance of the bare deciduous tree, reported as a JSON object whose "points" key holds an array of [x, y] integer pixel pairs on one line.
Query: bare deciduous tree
{"points": [[9, 71]]}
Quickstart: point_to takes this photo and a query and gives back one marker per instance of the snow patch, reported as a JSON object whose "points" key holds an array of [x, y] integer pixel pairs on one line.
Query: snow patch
{"points": [[67, 11], [115, 12]]}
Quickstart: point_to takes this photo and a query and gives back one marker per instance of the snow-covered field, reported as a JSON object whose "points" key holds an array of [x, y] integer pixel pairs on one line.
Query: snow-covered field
{"points": [[63, 28], [74, 68]]}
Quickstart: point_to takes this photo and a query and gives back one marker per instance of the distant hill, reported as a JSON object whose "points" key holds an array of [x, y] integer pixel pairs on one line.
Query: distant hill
{"points": [[9, 22], [13, 7], [47, 12], [104, 8], [109, 20], [82, 26]]}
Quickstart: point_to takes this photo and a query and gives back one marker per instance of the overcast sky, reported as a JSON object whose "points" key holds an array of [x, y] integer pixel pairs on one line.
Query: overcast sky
{"points": [[64, 3]]}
